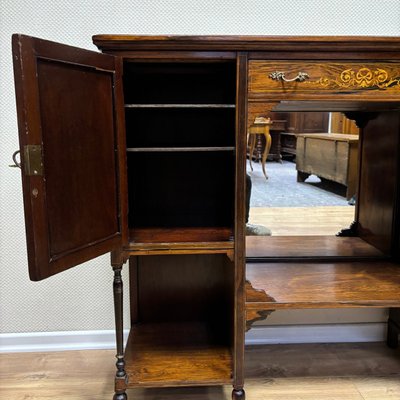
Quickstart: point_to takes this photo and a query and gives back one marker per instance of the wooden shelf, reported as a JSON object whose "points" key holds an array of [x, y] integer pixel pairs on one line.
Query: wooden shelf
{"points": [[290, 248], [273, 286], [176, 354], [177, 149], [180, 106], [181, 235], [181, 241]]}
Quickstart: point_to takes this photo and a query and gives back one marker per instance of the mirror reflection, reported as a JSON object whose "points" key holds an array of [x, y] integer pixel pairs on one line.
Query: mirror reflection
{"points": [[301, 173]]}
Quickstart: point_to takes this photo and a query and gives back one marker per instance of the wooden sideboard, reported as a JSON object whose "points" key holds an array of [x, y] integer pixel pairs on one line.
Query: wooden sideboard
{"points": [[141, 152], [330, 156], [301, 122]]}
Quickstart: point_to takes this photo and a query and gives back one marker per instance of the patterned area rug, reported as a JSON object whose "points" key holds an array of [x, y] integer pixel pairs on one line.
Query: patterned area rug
{"points": [[282, 189]]}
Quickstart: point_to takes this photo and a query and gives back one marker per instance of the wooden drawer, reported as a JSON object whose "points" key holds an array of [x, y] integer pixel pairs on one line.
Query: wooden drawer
{"points": [[376, 81]]}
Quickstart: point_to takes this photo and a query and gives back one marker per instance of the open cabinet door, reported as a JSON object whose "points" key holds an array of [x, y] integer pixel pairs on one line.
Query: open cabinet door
{"points": [[71, 132]]}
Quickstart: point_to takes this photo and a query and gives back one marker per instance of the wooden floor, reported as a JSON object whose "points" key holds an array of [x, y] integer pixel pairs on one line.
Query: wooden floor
{"points": [[289, 221], [368, 371]]}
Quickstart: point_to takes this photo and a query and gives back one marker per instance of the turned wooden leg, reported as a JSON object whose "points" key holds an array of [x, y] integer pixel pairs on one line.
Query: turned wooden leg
{"points": [[267, 148], [251, 143], [238, 394], [120, 377], [120, 396]]}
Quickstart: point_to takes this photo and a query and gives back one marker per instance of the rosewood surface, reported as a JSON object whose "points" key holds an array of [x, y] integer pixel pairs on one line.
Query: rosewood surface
{"points": [[176, 354], [322, 285], [309, 247]]}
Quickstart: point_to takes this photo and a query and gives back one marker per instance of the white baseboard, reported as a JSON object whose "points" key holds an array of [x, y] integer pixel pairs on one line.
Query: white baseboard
{"points": [[324, 333], [58, 341], [88, 340]]}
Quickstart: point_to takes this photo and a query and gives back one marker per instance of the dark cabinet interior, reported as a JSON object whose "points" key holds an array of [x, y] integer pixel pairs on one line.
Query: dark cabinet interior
{"points": [[180, 123]]}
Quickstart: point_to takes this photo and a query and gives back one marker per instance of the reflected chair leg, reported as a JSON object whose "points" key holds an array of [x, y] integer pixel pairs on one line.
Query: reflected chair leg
{"points": [[267, 149], [120, 377], [252, 143]]}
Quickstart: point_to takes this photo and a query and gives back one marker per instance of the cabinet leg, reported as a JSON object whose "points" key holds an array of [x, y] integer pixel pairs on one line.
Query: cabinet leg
{"points": [[120, 396], [120, 377], [238, 394]]}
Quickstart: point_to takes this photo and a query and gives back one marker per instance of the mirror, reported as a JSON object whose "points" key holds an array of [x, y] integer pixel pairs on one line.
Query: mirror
{"points": [[301, 173]]}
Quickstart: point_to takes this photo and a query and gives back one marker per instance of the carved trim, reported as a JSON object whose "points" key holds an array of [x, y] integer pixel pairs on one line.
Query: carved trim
{"points": [[361, 119], [253, 316], [352, 231], [257, 295]]}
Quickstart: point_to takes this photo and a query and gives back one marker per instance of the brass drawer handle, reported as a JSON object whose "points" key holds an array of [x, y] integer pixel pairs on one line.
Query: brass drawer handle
{"points": [[16, 163], [280, 76]]}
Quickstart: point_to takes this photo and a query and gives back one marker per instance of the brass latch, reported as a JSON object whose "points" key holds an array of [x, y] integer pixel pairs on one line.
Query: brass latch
{"points": [[33, 164]]}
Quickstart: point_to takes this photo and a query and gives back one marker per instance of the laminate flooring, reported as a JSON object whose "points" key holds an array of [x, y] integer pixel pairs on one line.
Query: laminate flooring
{"points": [[366, 371], [300, 221], [288, 207]]}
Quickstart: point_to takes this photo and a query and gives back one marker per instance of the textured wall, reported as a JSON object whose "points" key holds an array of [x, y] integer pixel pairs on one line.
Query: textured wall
{"points": [[80, 299]]}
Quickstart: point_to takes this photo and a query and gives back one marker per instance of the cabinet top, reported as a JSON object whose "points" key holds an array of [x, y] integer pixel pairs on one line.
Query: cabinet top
{"points": [[248, 43]]}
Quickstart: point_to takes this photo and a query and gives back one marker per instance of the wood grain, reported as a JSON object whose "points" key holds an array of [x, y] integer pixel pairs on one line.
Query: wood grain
{"points": [[176, 354], [302, 247], [376, 81], [66, 103], [379, 181], [180, 235], [279, 372], [324, 285], [276, 44]]}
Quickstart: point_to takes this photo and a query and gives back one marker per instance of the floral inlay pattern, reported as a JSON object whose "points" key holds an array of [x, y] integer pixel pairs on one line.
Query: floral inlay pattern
{"points": [[362, 78]]}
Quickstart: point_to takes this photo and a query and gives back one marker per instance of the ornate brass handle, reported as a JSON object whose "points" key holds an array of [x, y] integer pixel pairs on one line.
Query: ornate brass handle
{"points": [[16, 163], [280, 76]]}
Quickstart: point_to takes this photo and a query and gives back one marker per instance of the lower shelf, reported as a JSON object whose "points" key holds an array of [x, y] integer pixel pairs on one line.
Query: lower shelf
{"points": [[292, 248], [272, 286], [176, 354]]}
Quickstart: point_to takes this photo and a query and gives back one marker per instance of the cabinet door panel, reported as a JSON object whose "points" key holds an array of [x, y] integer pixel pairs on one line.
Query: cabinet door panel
{"points": [[68, 103]]}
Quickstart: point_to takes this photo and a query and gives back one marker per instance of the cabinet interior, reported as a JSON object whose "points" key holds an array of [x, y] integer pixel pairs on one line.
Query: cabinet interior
{"points": [[181, 156], [190, 319], [180, 123]]}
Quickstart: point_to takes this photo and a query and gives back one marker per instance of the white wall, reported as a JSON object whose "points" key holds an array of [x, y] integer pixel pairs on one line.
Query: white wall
{"points": [[81, 299]]}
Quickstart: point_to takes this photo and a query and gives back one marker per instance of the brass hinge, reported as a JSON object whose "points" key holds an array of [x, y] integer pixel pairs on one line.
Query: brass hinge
{"points": [[33, 162]]}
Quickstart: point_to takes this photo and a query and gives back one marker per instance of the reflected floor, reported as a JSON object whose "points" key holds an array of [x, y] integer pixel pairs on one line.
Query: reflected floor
{"points": [[288, 207], [282, 189]]}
